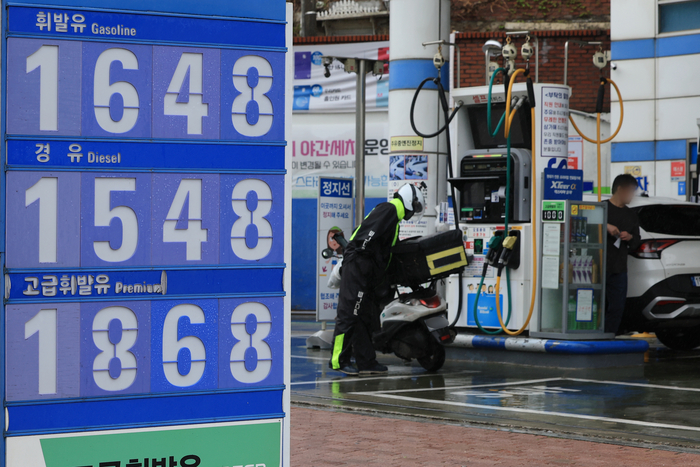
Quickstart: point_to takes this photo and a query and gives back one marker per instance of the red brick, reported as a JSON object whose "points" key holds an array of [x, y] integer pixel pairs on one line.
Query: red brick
{"points": [[324, 438], [583, 76]]}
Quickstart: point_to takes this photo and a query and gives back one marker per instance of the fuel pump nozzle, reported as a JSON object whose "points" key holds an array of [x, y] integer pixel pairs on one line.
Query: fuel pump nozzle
{"points": [[507, 252], [517, 102], [495, 247]]}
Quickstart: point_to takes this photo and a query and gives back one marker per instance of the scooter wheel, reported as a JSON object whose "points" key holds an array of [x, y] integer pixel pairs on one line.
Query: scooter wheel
{"points": [[435, 361]]}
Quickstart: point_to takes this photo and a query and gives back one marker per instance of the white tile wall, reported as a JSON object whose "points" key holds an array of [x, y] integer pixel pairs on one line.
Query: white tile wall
{"points": [[638, 124], [632, 19], [664, 185], [646, 170], [678, 76], [635, 78], [677, 118]]}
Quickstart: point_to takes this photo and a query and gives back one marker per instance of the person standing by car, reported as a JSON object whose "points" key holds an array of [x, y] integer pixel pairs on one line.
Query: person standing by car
{"points": [[623, 236]]}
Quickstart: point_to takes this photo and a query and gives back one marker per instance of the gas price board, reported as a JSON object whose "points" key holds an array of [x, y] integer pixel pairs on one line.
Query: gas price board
{"points": [[145, 203]]}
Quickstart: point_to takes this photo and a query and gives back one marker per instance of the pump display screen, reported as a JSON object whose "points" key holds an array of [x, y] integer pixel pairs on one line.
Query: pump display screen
{"points": [[521, 133]]}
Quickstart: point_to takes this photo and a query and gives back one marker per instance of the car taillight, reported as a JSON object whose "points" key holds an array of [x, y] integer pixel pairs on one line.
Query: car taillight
{"points": [[432, 302], [651, 249], [670, 302]]}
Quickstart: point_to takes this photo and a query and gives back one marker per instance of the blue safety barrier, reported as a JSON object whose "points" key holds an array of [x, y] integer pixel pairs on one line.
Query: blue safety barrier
{"points": [[526, 344]]}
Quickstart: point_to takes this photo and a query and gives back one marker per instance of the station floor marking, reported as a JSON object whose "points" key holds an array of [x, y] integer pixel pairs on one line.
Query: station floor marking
{"points": [[471, 386], [533, 381], [320, 359], [364, 378], [538, 412], [642, 385]]}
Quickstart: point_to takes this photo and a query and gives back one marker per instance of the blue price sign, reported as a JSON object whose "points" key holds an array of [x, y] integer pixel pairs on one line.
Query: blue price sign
{"points": [[145, 248], [96, 89]]}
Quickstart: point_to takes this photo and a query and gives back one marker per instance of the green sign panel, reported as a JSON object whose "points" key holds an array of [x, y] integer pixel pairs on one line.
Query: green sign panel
{"points": [[553, 211], [244, 445]]}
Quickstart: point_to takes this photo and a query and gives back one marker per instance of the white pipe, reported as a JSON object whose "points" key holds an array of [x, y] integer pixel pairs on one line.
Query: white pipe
{"points": [[413, 23]]}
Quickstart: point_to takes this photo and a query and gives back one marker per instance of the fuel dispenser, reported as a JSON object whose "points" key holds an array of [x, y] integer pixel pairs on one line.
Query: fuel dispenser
{"points": [[505, 136], [494, 175], [482, 186], [498, 204]]}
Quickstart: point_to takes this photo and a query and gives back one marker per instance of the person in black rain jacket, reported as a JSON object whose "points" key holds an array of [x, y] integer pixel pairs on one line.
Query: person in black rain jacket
{"points": [[365, 261]]}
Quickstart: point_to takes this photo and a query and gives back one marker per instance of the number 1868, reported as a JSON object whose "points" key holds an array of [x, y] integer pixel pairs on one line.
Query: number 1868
{"points": [[91, 349]]}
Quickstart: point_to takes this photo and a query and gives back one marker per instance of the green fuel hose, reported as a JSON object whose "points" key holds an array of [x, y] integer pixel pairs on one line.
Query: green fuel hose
{"points": [[508, 181], [509, 121]]}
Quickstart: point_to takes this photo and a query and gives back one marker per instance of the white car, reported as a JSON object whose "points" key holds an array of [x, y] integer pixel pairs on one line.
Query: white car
{"points": [[663, 292]]}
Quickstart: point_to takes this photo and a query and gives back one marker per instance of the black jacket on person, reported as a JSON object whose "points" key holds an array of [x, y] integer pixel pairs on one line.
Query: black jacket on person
{"points": [[376, 235], [626, 220], [362, 285]]}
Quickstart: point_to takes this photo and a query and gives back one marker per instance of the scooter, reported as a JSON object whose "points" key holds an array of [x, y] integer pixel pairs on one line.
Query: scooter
{"points": [[412, 326], [415, 325]]}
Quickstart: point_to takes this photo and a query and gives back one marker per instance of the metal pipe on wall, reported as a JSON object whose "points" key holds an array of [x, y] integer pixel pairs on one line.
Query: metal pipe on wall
{"points": [[308, 18], [360, 142]]}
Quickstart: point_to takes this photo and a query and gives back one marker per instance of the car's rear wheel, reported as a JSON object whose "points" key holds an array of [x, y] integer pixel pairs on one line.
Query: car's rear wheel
{"points": [[680, 339]]}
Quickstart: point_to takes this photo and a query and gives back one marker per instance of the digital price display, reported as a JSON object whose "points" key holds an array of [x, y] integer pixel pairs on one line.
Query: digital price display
{"points": [[144, 240]]}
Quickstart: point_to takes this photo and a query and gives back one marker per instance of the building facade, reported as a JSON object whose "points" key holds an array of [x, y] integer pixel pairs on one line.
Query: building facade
{"points": [[656, 61]]}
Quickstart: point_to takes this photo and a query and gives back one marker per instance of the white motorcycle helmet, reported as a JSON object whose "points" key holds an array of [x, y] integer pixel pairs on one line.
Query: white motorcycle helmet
{"points": [[413, 202]]}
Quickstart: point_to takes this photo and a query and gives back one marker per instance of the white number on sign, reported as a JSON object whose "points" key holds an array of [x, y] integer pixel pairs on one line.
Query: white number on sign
{"points": [[46, 59], [188, 195], [44, 324], [189, 66], [46, 192], [103, 91], [104, 215], [251, 356], [172, 346], [251, 112], [114, 368], [251, 234]]}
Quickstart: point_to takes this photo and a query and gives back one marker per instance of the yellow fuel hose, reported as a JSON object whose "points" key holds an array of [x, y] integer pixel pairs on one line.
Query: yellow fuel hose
{"points": [[598, 141], [510, 115], [509, 121]]}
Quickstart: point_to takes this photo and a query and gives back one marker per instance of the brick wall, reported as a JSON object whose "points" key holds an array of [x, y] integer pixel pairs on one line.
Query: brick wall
{"points": [[583, 75], [339, 39], [487, 15], [529, 10]]}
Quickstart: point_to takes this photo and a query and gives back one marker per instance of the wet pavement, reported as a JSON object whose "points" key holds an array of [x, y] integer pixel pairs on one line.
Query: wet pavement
{"points": [[656, 404]]}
